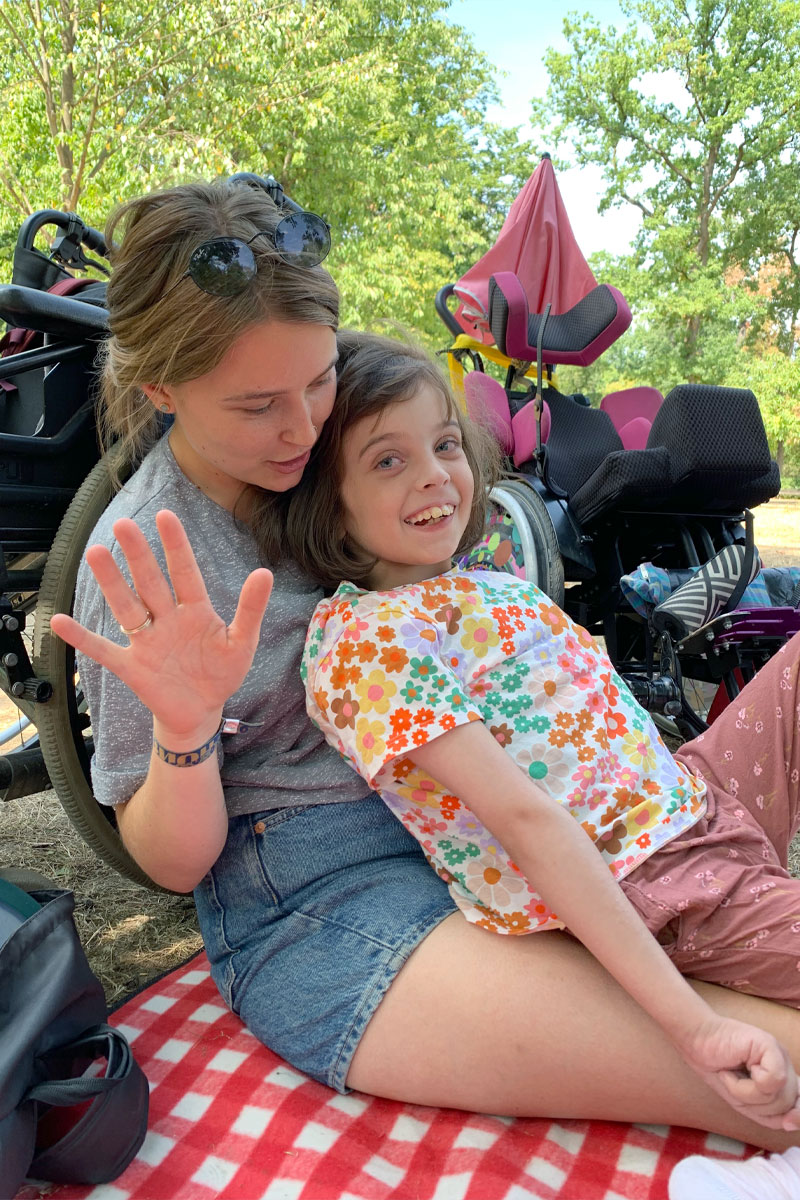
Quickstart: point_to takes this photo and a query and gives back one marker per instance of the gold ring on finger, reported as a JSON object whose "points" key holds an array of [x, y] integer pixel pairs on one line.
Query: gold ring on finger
{"points": [[138, 628]]}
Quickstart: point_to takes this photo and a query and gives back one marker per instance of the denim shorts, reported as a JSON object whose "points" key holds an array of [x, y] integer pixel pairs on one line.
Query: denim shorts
{"points": [[307, 916]]}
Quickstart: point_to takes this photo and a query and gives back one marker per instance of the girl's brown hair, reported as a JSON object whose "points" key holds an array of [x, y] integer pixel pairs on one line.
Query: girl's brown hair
{"points": [[373, 372], [185, 337]]}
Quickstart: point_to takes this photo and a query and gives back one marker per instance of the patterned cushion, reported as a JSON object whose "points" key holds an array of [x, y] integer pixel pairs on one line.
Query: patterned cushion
{"points": [[499, 549]]}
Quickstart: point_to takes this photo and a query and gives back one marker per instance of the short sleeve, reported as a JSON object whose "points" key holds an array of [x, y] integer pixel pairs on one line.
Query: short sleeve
{"points": [[121, 725], [377, 686]]}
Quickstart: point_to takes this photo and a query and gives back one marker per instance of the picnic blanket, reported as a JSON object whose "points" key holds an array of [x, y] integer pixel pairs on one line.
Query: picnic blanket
{"points": [[230, 1120]]}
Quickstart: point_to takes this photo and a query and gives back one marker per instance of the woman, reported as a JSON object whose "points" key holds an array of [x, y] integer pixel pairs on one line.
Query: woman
{"points": [[325, 927]]}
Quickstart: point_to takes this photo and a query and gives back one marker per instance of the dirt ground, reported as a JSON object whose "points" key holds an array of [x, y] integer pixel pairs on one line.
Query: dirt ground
{"points": [[132, 934]]}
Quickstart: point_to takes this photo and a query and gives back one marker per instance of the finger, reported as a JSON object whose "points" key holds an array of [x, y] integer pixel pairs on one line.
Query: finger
{"points": [[106, 653], [253, 600], [128, 609], [744, 1095], [187, 581], [771, 1073], [150, 585]]}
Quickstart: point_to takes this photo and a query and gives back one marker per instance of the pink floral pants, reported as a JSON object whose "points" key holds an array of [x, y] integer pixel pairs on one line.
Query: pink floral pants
{"points": [[719, 898]]}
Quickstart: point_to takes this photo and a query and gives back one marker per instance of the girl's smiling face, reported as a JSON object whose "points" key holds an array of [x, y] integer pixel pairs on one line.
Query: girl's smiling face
{"points": [[407, 488]]}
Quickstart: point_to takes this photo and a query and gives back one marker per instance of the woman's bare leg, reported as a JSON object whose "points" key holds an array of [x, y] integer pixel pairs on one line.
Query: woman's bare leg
{"points": [[533, 1026]]}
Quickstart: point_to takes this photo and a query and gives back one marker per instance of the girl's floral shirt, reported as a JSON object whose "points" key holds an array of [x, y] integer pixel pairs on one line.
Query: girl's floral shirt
{"points": [[387, 671]]}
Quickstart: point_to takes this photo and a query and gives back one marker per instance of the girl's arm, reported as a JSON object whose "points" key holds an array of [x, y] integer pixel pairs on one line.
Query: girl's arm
{"points": [[744, 1064], [183, 667]]}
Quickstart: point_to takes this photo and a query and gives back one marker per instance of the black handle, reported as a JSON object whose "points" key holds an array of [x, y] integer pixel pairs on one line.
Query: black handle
{"points": [[444, 312]]}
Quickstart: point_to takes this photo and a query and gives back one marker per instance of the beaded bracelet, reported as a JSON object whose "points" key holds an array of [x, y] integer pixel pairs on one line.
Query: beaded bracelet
{"points": [[190, 758]]}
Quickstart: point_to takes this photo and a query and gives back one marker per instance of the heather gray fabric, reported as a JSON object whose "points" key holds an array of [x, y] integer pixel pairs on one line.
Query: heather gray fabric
{"points": [[284, 763]]}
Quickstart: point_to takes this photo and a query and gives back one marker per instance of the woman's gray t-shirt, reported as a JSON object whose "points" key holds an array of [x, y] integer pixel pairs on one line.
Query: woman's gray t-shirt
{"points": [[283, 762]]}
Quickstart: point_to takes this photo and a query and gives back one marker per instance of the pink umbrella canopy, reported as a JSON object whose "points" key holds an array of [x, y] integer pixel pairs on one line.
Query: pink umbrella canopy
{"points": [[538, 245]]}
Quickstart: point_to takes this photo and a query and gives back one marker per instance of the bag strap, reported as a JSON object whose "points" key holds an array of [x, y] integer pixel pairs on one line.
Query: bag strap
{"points": [[101, 1041], [748, 562], [106, 1118]]}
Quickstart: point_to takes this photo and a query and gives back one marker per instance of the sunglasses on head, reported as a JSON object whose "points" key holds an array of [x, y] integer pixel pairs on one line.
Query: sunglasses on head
{"points": [[224, 266]]}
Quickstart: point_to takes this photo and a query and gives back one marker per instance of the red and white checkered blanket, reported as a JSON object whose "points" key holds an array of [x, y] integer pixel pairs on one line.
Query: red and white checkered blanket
{"points": [[230, 1120]]}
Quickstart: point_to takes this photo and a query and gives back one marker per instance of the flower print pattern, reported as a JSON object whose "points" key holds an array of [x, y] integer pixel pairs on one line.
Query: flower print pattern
{"points": [[393, 658], [546, 766], [389, 671], [369, 743], [489, 879], [450, 616], [375, 692], [346, 708], [479, 636], [416, 638], [639, 750]]}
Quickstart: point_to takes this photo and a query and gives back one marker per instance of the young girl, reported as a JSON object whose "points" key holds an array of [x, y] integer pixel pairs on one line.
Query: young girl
{"points": [[500, 735]]}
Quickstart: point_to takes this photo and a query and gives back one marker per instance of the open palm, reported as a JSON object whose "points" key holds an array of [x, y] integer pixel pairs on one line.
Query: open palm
{"points": [[186, 662]]}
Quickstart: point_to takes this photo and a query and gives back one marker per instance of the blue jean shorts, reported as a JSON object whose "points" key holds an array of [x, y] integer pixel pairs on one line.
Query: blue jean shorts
{"points": [[307, 916]]}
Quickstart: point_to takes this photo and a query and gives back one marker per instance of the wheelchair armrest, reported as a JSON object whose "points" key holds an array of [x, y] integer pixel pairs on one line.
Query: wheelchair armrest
{"points": [[28, 308]]}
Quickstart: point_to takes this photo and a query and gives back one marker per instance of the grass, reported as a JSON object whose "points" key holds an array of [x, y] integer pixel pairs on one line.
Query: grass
{"points": [[132, 934]]}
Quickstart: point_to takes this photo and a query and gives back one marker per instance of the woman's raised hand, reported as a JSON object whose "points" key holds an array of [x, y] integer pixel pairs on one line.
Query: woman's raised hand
{"points": [[184, 662]]}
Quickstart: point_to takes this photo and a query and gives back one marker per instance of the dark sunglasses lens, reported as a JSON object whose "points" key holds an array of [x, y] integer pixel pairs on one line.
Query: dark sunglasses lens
{"points": [[222, 267], [303, 238]]}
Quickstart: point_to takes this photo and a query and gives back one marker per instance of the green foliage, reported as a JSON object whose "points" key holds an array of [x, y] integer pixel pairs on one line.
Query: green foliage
{"points": [[692, 112], [372, 112], [775, 379]]}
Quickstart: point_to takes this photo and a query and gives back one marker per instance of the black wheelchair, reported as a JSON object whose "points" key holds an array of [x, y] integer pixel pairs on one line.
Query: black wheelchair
{"points": [[576, 509], [639, 510]]}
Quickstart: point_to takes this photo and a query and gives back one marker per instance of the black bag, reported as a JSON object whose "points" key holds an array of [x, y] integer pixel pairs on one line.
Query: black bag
{"points": [[60, 1119]]}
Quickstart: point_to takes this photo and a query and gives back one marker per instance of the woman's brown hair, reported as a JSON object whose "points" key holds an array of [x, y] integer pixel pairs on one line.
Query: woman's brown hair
{"points": [[372, 372], [187, 335]]}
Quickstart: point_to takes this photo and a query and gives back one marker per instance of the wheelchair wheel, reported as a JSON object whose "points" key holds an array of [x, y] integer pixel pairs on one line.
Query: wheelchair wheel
{"points": [[63, 722], [543, 563]]}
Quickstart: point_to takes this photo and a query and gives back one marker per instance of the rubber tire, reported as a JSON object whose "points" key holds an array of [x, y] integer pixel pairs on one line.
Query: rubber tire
{"points": [[547, 569], [61, 740]]}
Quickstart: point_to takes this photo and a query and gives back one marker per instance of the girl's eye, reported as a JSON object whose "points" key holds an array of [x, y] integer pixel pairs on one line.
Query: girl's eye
{"points": [[258, 412], [448, 445], [388, 460]]}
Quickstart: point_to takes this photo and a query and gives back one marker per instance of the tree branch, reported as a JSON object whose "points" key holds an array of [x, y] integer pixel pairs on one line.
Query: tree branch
{"points": [[21, 43]]}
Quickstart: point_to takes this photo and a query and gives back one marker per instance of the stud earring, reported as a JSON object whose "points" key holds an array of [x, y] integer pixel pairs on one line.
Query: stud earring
{"points": [[164, 408]]}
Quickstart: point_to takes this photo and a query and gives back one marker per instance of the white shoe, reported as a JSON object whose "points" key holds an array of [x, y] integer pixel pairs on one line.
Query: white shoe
{"points": [[763, 1177]]}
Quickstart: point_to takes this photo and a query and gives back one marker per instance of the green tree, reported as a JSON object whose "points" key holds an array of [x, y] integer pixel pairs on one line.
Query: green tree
{"points": [[694, 103], [372, 112], [775, 379]]}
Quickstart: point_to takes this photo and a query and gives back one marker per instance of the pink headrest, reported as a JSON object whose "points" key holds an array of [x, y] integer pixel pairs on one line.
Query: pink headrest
{"points": [[524, 428], [635, 433], [628, 403], [487, 404]]}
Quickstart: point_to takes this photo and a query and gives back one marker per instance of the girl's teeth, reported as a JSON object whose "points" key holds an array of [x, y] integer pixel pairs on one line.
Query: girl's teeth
{"points": [[432, 514]]}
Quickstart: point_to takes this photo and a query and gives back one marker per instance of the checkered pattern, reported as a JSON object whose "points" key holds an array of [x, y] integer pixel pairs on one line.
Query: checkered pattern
{"points": [[230, 1120]]}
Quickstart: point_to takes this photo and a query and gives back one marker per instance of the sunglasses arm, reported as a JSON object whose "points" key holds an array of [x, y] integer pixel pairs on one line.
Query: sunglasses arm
{"points": [[270, 185]]}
